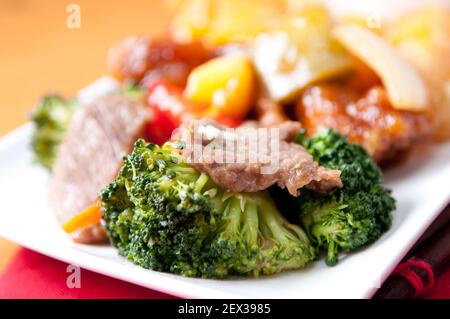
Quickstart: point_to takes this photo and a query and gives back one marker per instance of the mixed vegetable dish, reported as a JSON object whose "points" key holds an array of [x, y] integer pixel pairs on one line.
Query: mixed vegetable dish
{"points": [[339, 99]]}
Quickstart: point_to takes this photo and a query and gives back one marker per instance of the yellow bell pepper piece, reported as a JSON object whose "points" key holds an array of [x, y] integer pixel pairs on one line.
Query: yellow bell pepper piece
{"points": [[225, 21], [226, 84]]}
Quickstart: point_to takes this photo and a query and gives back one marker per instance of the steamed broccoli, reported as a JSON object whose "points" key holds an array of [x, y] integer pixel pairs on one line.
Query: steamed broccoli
{"points": [[350, 217], [51, 117], [164, 215]]}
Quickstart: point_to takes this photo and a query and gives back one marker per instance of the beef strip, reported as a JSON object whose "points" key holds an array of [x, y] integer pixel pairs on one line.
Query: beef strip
{"points": [[98, 137], [293, 167], [270, 112]]}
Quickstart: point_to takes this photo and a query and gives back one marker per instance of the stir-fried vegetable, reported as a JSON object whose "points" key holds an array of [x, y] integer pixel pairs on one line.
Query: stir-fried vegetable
{"points": [[171, 106], [230, 21], [349, 217], [423, 36], [299, 52], [51, 117], [225, 84], [405, 88], [89, 217]]}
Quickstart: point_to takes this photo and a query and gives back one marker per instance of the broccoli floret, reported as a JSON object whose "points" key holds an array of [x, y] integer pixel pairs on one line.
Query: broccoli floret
{"points": [[165, 215], [354, 215], [51, 117]]}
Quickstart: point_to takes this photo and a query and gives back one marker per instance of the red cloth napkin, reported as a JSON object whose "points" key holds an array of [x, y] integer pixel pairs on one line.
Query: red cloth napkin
{"points": [[31, 275], [441, 289]]}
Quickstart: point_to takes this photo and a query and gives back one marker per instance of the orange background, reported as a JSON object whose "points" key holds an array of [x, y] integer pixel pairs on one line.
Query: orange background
{"points": [[40, 54]]}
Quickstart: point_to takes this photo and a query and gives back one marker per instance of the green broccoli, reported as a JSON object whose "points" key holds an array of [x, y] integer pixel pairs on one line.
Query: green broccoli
{"points": [[165, 215], [51, 117], [354, 215]]}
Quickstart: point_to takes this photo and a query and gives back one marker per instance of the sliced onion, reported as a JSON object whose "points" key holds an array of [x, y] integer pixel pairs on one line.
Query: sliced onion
{"points": [[406, 89]]}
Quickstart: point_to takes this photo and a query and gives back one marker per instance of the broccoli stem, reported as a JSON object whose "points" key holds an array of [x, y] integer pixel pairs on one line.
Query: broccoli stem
{"points": [[331, 258], [271, 217], [201, 182], [250, 224], [185, 171], [233, 217]]}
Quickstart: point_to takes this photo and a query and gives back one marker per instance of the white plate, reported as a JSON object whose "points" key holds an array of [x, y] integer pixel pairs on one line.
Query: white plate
{"points": [[421, 187]]}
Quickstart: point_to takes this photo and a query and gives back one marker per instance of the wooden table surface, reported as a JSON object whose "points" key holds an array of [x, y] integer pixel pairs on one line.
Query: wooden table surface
{"points": [[40, 54]]}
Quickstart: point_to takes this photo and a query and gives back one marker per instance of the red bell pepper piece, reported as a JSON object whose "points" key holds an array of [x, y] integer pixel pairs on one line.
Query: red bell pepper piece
{"points": [[170, 108]]}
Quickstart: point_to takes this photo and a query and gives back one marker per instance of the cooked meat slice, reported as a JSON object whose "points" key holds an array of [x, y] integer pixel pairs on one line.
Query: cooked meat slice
{"points": [[90, 235], [368, 120], [143, 59], [269, 112], [98, 137], [246, 161]]}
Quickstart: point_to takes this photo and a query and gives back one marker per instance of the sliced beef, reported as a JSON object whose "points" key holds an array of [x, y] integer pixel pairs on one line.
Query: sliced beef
{"points": [[250, 167], [98, 137], [270, 112]]}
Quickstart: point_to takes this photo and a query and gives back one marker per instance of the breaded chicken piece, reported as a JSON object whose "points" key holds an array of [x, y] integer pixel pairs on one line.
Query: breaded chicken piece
{"points": [[141, 59], [367, 118]]}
